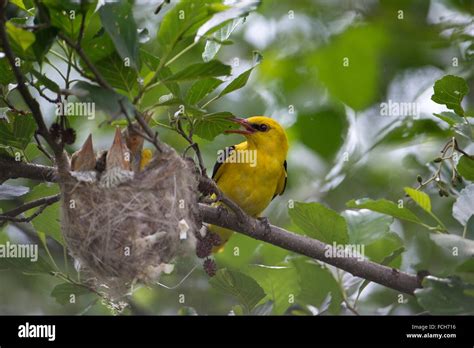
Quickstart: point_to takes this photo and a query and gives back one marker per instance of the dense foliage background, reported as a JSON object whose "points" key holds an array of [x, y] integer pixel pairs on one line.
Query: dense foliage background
{"points": [[324, 70]]}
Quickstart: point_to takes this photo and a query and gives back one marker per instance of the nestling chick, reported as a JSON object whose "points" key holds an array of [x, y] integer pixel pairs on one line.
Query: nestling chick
{"points": [[134, 141], [84, 159], [117, 166], [119, 155], [146, 158]]}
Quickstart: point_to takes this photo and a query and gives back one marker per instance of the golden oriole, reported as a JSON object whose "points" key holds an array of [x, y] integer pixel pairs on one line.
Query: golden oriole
{"points": [[252, 173]]}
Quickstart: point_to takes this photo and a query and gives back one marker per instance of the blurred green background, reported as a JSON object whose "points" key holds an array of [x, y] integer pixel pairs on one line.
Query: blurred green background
{"points": [[327, 67]]}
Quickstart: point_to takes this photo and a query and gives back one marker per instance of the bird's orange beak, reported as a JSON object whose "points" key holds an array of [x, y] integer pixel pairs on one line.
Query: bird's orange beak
{"points": [[243, 122]]}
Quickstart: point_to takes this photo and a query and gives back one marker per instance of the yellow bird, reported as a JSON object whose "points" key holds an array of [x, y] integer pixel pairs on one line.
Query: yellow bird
{"points": [[252, 173], [146, 158]]}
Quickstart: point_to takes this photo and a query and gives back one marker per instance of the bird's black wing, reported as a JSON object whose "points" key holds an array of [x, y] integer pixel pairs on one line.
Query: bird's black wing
{"points": [[227, 152], [285, 165]]}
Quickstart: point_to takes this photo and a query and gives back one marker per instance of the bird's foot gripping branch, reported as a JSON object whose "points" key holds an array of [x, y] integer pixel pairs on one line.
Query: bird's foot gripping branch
{"points": [[124, 214]]}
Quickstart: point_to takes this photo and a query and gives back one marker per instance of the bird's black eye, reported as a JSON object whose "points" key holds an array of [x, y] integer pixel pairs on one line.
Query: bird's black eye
{"points": [[260, 127]]}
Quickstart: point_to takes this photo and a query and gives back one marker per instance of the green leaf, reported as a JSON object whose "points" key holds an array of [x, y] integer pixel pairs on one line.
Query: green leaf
{"points": [[414, 130], [365, 226], [469, 228], [63, 292], [211, 125], [390, 258], [185, 311], [320, 222], [456, 248], [117, 19], [450, 117], [64, 5], [152, 63], [12, 191], [201, 70], [246, 255], [22, 37], [113, 69], [48, 222], [323, 131], [103, 99], [466, 271], [463, 208], [19, 3], [239, 82], [349, 66], [238, 310], [280, 284], [450, 91], [44, 40], [385, 207], [42, 190], [98, 47], [226, 14], [201, 88], [446, 296], [438, 253], [45, 81], [316, 284], [465, 167], [6, 72], [263, 309], [18, 132], [213, 46], [26, 265], [386, 261], [421, 198], [465, 130], [244, 288], [380, 249], [180, 22]]}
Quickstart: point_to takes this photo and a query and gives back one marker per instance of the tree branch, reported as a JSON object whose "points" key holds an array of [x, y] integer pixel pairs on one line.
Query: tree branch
{"points": [[25, 93], [10, 169], [389, 277], [254, 228], [208, 187], [43, 203], [87, 61]]}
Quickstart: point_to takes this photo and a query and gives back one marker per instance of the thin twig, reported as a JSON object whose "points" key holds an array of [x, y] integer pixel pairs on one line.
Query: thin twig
{"points": [[43, 203], [25, 93], [41, 148], [193, 145], [12, 108], [87, 61]]}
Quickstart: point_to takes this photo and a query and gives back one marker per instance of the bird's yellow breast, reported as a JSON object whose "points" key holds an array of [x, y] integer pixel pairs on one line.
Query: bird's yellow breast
{"points": [[251, 185]]}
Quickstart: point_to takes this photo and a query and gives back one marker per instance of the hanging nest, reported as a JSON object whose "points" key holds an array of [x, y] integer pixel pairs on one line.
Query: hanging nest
{"points": [[131, 232]]}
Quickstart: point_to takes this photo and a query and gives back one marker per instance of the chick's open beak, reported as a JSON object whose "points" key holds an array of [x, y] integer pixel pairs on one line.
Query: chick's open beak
{"points": [[243, 122]]}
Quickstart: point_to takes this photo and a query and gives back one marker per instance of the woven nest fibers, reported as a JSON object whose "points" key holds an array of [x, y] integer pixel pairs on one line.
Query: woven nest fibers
{"points": [[130, 232]]}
